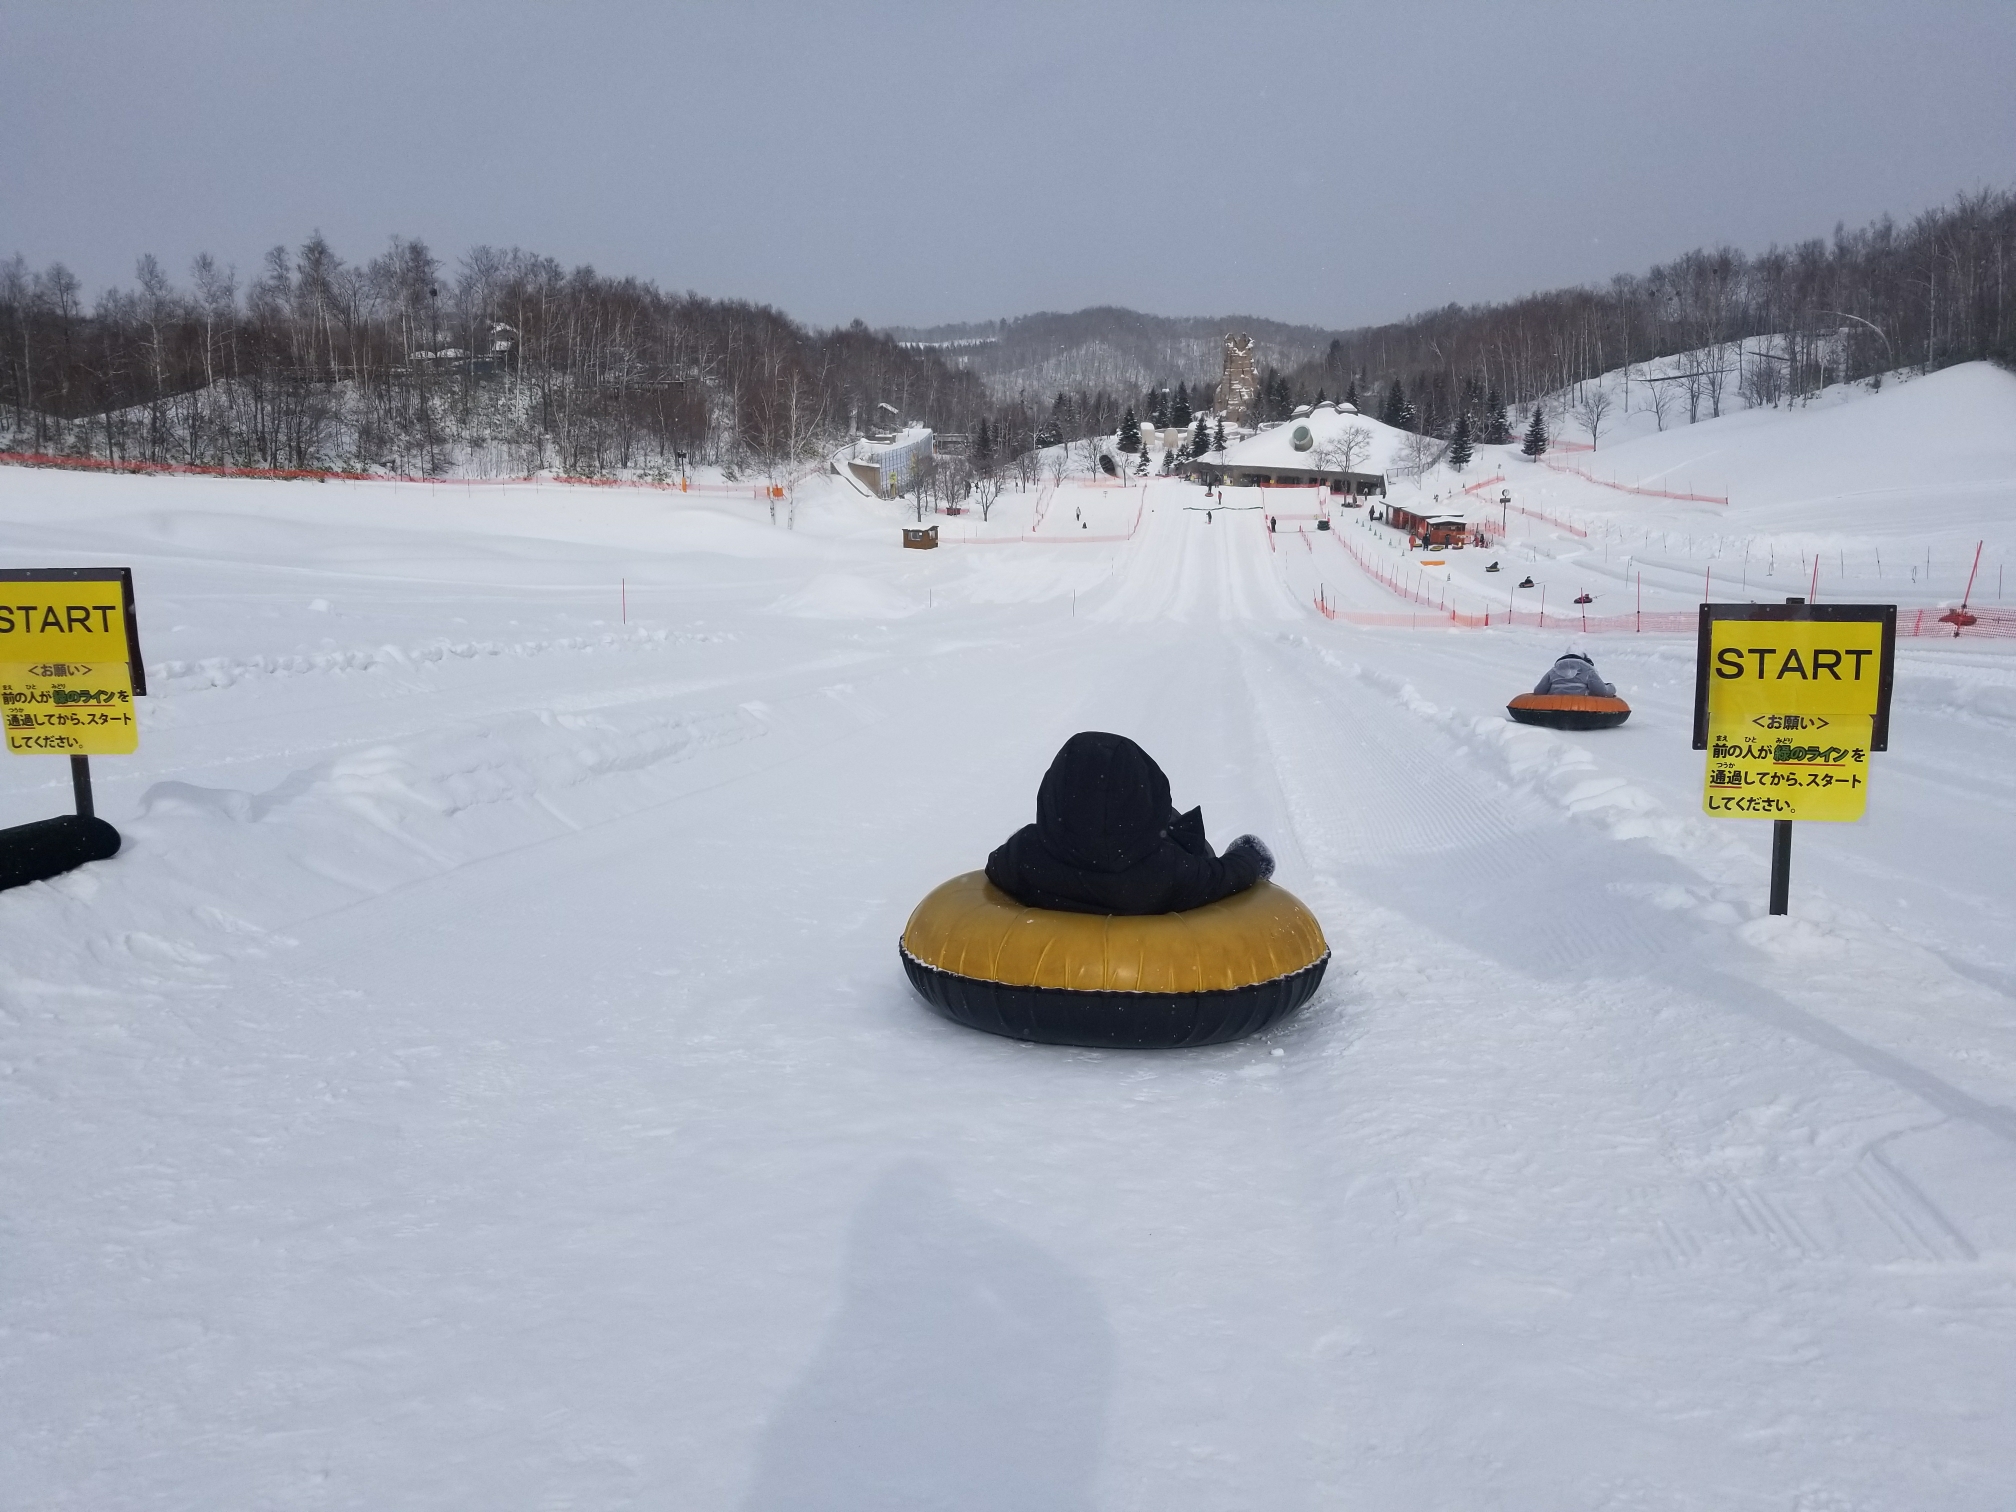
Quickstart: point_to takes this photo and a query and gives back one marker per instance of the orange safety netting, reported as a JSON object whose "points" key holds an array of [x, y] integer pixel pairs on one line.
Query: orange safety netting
{"points": [[337, 475]]}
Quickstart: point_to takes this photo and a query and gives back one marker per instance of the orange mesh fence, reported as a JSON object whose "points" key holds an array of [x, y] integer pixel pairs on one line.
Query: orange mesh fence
{"points": [[338, 475], [1435, 612], [1531, 514], [1629, 488], [1999, 624]]}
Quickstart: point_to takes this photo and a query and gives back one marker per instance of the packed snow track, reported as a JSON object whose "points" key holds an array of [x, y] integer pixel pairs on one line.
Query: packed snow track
{"points": [[486, 1078]]}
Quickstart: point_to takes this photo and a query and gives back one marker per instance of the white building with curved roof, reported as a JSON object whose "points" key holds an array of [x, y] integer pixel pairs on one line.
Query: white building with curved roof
{"points": [[1332, 444]]}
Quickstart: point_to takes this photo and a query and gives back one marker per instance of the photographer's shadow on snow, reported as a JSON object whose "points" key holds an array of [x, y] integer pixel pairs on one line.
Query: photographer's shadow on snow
{"points": [[967, 1368]]}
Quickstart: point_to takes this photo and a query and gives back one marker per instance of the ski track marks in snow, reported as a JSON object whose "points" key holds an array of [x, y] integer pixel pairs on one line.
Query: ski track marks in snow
{"points": [[1563, 771], [225, 671], [486, 1075]]}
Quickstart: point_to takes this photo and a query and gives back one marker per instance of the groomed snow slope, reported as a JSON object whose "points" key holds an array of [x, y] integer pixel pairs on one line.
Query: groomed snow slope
{"points": [[1888, 493], [486, 1077], [1850, 453]]}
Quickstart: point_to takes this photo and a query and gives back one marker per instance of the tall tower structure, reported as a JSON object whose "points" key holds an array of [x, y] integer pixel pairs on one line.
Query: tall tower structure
{"points": [[1240, 385]]}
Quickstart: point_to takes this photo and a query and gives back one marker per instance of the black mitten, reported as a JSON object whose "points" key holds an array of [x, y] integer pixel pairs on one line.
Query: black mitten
{"points": [[1258, 849]]}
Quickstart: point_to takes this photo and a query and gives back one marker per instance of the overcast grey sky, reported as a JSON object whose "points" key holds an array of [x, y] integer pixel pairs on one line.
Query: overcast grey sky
{"points": [[1335, 164]]}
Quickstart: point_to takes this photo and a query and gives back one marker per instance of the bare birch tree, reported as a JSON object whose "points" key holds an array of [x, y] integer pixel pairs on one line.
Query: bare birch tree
{"points": [[1592, 408]]}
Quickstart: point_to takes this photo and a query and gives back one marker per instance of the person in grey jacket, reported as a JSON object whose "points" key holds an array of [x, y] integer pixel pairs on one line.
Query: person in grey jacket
{"points": [[1575, 673]]}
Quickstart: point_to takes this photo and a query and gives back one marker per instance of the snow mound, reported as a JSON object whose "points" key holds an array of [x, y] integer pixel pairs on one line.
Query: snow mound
{"points": [[840, 595]]}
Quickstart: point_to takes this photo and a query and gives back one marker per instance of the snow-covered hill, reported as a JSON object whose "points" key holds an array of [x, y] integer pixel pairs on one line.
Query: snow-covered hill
{"points": [[1892, 460], [486, 1077], [1885, 495]]}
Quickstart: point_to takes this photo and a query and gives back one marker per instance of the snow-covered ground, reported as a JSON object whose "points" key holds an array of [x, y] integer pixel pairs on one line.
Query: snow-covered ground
{"points": [[1888, 493], [486, 1077]]}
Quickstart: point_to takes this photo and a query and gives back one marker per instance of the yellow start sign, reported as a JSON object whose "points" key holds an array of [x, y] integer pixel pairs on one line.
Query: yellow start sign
{"points": [[69, 661], [1790, 699]]}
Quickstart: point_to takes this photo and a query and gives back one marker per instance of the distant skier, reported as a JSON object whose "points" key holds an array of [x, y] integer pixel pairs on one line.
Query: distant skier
{"points": [[1107, 840], [1575, 673]]}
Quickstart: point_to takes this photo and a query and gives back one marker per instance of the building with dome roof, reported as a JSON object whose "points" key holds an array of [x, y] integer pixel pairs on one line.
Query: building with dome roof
{"points": [[1331, 444]]}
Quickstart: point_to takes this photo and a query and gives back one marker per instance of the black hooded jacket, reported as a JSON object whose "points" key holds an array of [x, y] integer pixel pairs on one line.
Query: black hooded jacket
{"points": [[1107, 841]]}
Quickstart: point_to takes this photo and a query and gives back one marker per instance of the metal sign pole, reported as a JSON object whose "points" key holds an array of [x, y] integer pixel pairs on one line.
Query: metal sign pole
{"points": [[80, 784], [1782, 697], [1781, 865], [1781, 839]]}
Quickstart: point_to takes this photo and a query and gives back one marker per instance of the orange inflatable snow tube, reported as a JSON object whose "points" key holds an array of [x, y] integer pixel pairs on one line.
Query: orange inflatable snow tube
{"points": [[1568, 711]]}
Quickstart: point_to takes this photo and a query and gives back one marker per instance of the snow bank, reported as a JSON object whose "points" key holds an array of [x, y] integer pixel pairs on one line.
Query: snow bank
{"points": [[841, 596]]}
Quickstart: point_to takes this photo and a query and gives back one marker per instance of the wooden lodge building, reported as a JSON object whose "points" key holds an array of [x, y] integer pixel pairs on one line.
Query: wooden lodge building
{"points": [[1434, 527]]}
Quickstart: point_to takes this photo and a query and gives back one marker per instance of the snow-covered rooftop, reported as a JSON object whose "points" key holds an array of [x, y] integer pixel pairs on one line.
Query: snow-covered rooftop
{"points": [[1309, 444], [871, 447]]}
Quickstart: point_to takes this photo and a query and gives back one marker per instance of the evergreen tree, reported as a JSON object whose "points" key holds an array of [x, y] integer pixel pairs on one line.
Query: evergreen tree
{"points": [[1409, 418], [1158, 408], [1497, 429], [1321, 398], [1061, 425], [1179, 414], [983, 449], [1394, 411], [1130, 432], [1141, 466], [1459, 444], [1200, 443], [1351, 394], [1536, 436], [1277, 399], [1218, 437]]}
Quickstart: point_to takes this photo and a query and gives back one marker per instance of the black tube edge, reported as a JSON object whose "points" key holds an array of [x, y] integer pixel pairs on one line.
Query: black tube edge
{"points": [[1113, 1020], [49, 847]]}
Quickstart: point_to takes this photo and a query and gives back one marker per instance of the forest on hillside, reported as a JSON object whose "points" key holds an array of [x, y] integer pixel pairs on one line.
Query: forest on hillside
{"points": [[1772, 327], [1926, 295], [508, 363], [1122, 351]]}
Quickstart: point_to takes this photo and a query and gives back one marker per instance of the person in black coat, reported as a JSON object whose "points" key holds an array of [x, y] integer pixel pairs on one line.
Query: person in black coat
{"points": [[1107, 840]]}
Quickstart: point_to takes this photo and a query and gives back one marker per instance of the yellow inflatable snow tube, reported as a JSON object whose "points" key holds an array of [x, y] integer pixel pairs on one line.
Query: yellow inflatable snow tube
{"points": [[1202, 977]]}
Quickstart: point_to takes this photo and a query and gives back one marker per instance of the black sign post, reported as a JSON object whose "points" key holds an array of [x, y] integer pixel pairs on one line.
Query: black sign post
{"points": [[1763, 700], [70, 669]]}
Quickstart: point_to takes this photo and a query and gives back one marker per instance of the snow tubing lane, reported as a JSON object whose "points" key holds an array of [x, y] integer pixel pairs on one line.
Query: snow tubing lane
{"points": [[1160, 981], [1568, 711]]}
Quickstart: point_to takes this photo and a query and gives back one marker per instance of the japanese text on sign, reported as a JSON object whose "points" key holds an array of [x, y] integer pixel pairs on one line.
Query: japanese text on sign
{"points": [[67, 653], [1792, 704]]}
